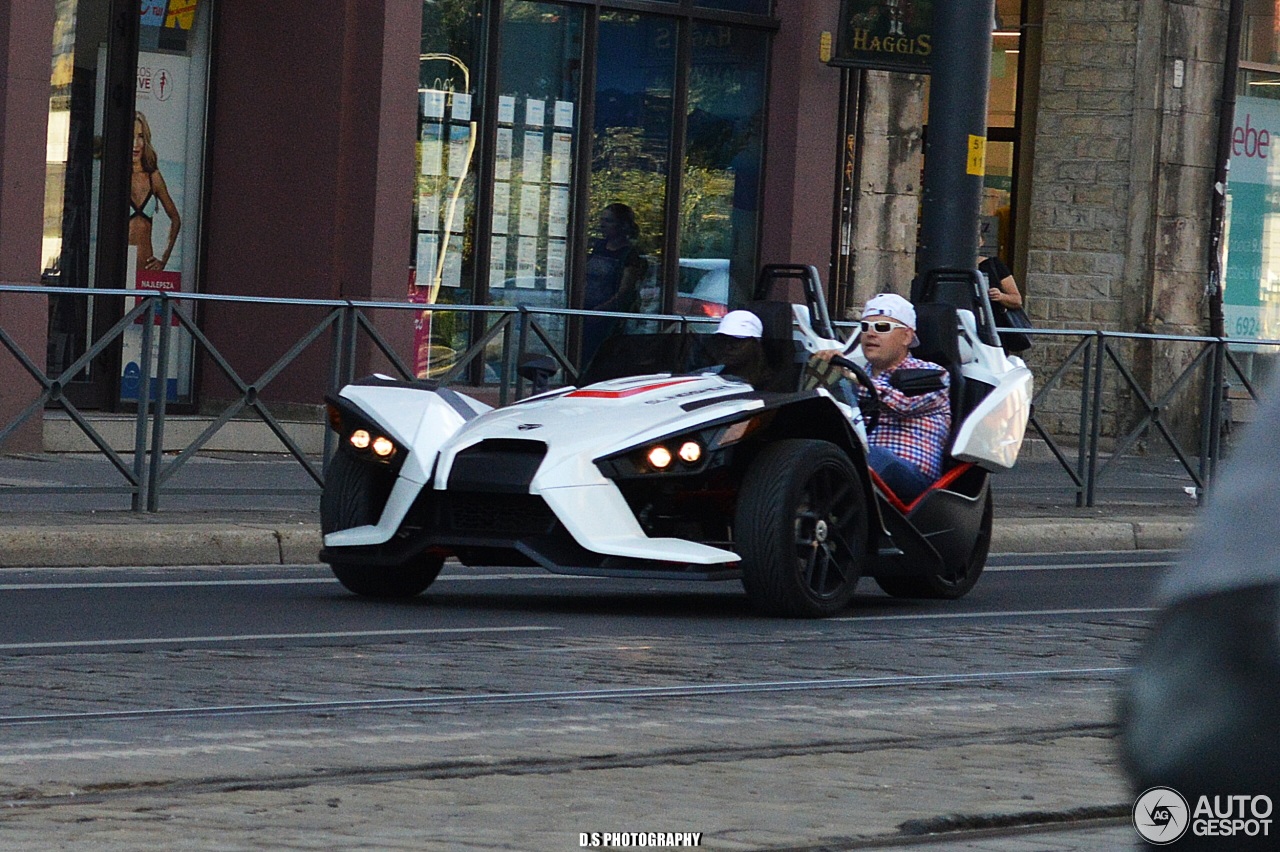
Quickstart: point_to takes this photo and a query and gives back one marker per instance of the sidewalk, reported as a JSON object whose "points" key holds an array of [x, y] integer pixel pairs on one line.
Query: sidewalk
{"points": [[264, 510]]}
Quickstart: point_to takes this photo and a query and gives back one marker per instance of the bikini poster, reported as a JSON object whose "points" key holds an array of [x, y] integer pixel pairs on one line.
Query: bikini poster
{"points": [[157, 204]]}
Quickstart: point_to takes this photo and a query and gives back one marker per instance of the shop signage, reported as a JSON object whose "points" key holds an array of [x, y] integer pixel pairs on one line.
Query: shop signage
{"points": [[1251, 294], [891, 35]]}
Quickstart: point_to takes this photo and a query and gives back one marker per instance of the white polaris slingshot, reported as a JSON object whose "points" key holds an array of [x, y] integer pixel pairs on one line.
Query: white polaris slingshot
{"points": [[684, 474]]}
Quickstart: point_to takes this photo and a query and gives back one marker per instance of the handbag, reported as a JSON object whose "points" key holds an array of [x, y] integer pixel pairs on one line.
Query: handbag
{"points": [[1012, 318]]}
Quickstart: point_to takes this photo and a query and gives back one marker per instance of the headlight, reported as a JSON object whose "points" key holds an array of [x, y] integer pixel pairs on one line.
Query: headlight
{"points": [[690, 452], [362, 437], [659, 458]]}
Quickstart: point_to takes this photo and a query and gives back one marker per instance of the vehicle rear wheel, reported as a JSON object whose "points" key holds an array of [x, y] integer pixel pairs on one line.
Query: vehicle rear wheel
{"points": [[801, 529], [353, 496], [948, 584]]}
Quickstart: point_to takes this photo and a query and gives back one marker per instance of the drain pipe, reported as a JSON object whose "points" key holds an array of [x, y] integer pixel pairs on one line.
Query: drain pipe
{"points": [[1226, 124]]}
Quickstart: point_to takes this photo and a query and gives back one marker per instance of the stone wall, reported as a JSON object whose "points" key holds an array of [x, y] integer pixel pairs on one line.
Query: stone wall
{"points": [[1121, 188], [891, 158]]}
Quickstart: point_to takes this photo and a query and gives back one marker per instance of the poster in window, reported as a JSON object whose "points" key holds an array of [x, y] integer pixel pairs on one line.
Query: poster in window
{"points": [[891, 35], [157, 202], [506, 109], [453, 263], [432, 149], [501, 207], [530, 209], [555, 264], [428, 247], [527, 257], [558, 212], [564, 114], [532, 164], [561, 157], [498, 262], [535, 112], [461, 107], [505, 145], [428, 212], [459, 150], [433, 104]]}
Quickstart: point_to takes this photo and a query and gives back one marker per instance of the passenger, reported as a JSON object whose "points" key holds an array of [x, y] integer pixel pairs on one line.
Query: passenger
{"points": [[737, 347], [907, 446]]}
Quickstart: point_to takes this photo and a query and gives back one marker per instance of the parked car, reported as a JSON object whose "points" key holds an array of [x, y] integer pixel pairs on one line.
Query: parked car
{"points": [[703, 288]]}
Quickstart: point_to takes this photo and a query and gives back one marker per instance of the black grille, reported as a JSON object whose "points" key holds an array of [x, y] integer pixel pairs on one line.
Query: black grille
{"points": [[504, 466], [507, 515]]}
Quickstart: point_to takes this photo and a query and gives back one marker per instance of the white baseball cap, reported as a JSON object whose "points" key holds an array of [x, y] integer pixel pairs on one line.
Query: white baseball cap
{"points": [[740, 324], [894, 307]]}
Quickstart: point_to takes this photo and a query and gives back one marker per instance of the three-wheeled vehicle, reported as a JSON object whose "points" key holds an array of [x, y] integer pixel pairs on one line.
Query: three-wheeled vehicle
{"points": [[682, 473]]}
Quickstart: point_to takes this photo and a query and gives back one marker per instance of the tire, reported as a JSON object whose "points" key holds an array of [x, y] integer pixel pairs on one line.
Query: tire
{"points": [[801, 529], [947, 585], [354, 494]]}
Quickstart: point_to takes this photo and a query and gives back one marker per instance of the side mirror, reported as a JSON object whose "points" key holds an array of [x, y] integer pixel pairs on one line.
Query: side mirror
{"points": [[918, 382], [538, 369]]}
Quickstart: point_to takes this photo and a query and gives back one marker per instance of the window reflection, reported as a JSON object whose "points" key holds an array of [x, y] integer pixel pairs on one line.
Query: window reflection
{"points": [[443, 251], [635, 74], [719, 209]]}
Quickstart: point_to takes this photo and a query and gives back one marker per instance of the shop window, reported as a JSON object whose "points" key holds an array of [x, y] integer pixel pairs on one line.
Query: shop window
{"points": [[538, 138], [1251, 247], [626, 232], [719, 210], [448, 150]]}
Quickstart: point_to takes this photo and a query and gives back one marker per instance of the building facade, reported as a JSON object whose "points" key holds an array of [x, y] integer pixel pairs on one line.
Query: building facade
{"points": [[637, 155]]}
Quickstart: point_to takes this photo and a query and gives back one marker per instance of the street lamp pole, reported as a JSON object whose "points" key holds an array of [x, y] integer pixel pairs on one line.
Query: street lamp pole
{"points": [[955, 150]]}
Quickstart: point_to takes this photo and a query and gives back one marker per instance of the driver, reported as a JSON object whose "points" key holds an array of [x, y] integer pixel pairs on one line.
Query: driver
{"points": [[907, 445]]}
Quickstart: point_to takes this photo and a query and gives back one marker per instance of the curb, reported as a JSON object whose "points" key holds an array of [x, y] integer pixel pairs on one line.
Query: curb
{"points": [[1041, 535], [112, 545], [157, 545]]}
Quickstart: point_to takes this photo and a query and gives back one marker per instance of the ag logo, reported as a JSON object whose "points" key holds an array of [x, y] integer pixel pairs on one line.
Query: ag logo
{"points": [[1161, 815]]}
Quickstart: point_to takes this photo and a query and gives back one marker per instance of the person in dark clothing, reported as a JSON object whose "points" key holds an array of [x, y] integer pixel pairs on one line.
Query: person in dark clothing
{"points": [[615, 269]]}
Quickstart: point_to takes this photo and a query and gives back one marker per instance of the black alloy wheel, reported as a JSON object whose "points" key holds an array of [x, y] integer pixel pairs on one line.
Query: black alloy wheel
{"points": [[801, 529]]}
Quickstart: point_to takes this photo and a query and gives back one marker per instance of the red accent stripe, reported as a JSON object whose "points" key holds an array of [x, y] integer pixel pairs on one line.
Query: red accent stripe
{"points": [[942, 482], [619, 394]]}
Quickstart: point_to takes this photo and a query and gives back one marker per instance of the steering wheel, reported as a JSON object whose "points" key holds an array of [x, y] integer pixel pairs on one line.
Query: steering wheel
{"points": [[870, 404]]}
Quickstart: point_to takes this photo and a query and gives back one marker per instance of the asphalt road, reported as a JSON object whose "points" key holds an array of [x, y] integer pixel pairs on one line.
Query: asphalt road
{"points": [[267, 708], [60, 610]]}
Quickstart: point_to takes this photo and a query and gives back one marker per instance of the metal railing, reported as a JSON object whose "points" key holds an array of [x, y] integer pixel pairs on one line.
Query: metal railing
{"points": [[1097, 369]]}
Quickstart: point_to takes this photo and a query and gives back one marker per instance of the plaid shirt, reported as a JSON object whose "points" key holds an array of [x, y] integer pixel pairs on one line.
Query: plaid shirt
{"points": [[913, 428]]}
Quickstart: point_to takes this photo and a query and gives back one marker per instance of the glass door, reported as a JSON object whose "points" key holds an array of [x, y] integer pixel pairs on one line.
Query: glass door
{"points": [[123, 179]]}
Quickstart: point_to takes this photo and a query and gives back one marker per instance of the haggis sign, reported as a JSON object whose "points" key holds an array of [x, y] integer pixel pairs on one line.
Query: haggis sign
{"points": [[893, 35]]}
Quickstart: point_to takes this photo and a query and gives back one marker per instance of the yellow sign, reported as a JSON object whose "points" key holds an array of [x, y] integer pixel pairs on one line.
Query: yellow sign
{"points": [[824, 47], [181, 15], [977, 155]]}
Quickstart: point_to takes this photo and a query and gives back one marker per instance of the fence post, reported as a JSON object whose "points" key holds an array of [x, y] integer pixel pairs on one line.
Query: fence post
{"points": [[504, 373], [1212, 414], [142, 476], [1095, 428], [1082, 443], [521, 345], [161, 405]]}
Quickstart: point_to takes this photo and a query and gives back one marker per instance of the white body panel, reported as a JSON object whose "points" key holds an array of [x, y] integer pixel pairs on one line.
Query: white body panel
{"points": [[577, 426]]}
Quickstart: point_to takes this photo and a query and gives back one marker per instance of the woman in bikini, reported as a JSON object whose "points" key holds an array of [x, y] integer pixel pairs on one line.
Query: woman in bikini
{"points": [[146, 185]]}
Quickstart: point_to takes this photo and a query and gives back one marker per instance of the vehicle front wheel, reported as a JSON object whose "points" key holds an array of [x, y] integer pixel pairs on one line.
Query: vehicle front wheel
{"points": [[950, 583], [801, 529], [354, 494]]}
